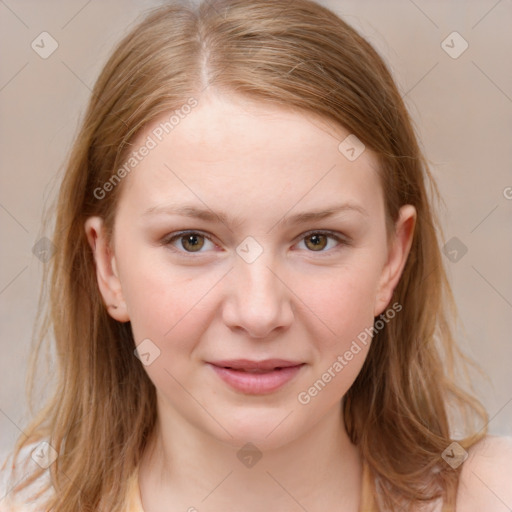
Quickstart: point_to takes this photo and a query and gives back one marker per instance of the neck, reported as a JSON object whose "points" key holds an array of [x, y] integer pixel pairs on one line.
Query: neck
{"points": [[186, 468]]}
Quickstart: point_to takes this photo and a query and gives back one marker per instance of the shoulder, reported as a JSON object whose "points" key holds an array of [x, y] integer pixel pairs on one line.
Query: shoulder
{"points": [[14, 472], [486, 477]]}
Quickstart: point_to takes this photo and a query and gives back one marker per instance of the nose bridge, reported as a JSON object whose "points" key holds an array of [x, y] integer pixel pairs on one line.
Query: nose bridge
{"points": [[259, 281], [259, 301], [254, 260]]}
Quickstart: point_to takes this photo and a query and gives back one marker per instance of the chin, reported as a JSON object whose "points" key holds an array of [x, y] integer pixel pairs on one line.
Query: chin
{"points": [[265, 431]]}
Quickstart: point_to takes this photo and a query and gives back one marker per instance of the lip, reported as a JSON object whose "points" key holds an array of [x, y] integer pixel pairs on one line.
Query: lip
{"points": [[256, 377], [248, 364]]}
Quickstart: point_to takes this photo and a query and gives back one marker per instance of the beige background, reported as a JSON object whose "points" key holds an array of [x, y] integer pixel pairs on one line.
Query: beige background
{"points": [[462, 108]]}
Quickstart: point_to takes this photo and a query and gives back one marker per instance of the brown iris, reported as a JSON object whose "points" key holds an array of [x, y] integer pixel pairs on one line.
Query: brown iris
{"points": [[318, 241], [192, 243]]}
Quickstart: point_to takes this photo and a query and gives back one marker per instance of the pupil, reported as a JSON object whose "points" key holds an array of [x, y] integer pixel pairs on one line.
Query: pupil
{"points": [[318, 241], [192, 241]]}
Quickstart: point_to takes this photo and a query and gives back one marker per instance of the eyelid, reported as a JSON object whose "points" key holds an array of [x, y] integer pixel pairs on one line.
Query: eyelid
{"points": [[168, 239], [340, 237], [343, 240]]}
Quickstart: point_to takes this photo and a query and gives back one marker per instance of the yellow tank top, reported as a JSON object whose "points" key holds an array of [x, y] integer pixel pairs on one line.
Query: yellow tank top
{"points": [[135, 503]]}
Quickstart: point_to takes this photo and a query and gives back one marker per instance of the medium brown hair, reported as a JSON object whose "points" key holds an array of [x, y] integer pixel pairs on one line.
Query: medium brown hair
{"points": [[298, 55]]}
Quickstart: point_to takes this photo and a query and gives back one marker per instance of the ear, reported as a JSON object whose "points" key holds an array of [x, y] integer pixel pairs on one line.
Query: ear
{"points": [[106, 270], [397, 257]]}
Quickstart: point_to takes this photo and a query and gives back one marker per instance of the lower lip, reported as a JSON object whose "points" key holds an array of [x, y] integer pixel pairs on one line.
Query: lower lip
{"points": [[257, 383]]}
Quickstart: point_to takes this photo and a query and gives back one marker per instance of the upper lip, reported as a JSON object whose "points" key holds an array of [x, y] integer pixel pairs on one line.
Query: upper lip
{"points": [[246, 364]]}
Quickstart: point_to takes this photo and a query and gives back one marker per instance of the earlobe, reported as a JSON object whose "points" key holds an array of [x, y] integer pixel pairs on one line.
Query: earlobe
{"points": [[397, 257], [107, 277]]}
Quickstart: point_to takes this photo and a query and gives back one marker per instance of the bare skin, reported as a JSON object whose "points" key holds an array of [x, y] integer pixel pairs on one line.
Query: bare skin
{"points": [[300, 299]]}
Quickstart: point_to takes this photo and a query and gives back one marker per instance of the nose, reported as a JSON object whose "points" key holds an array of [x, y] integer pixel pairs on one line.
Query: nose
{"points": [[258, 300]]}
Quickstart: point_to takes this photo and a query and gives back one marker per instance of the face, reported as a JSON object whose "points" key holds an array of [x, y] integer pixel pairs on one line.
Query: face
{"points": [[246, 235]]}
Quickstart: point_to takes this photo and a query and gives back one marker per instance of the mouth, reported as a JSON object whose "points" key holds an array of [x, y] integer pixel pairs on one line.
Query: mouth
{"points": [[252, 371], [256, 377], [251, 366]]}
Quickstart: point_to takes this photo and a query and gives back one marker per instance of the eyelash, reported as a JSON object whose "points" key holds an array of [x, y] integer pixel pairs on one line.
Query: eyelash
{"points": [[342, 241]]}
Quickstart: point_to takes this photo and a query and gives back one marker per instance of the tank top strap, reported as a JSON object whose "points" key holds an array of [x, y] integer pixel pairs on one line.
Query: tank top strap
{"points": [[133, 498], [367, 503]]}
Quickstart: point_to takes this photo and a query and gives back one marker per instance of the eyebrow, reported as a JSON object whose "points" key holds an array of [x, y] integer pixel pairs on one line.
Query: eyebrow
{"points": [[205, 214]]}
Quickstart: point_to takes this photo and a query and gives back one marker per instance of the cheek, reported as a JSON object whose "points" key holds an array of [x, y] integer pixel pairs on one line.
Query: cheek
{"points": [[343, 302], [164, 302], [340, 338], [170, 308], [342, 299]]}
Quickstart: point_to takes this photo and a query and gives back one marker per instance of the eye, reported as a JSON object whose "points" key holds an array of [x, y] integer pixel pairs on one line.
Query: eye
{"points": [[193, 241], [188, 241], [317, 241]]}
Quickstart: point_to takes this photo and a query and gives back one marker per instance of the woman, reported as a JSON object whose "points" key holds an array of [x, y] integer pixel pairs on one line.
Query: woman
{"points": [[248, 301]]}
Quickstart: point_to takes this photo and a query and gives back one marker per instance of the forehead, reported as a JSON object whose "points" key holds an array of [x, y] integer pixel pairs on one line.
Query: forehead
{"points": [[235, 150]]}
